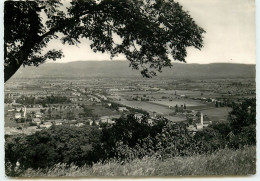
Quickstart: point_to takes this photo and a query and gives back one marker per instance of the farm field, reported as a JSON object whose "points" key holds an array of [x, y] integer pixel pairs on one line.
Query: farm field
{"points": [[146, 106], [9, 121], [217, 114], [101, 110], [152, 95], [192, 93], [27, 130], [98, 110], [188, 103], [175, 118], [35, 109]]}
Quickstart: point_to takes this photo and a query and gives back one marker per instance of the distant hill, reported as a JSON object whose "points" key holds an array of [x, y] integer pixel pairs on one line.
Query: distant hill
{"points": [[81, 69]]}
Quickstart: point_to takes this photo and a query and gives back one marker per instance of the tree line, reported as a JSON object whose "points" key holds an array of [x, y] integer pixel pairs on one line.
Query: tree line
{"points": [[30, 100]]}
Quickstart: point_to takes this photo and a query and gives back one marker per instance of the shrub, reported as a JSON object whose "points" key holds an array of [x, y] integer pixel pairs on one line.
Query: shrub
{"points": [[51, 146]]}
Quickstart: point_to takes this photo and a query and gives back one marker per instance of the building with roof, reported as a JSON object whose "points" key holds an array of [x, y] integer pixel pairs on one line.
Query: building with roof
{"points": [[37, 121], [122, 109], [18, 115], [46, 125]]}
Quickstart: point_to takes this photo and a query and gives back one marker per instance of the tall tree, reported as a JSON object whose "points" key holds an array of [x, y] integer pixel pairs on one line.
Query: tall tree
{"points": [[149, 31], [243, 115]]}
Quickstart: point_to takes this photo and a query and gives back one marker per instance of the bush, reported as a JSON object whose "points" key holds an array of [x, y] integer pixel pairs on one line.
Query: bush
{"points": [[51, 146], [130, 138]]}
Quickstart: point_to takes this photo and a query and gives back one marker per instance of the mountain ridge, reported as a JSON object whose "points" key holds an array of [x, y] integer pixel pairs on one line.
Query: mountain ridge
{"points": [[113, 69]]}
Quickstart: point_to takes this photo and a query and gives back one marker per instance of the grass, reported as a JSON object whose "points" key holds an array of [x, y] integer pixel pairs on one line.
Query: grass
{"points": [[217, 114], [223, 162]]}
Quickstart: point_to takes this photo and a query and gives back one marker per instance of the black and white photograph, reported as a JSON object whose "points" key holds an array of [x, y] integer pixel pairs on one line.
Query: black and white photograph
{"points": [[129, 88]]}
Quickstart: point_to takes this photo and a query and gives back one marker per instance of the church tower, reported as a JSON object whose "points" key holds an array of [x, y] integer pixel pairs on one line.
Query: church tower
{"points": [[201, 119]]}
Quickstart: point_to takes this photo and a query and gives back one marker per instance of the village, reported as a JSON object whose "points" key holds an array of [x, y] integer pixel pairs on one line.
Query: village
{"points": [[36, 105]]}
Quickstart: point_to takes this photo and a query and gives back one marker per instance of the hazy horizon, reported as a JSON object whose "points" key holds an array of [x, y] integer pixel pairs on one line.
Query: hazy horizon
{"points": [[174, 62]]}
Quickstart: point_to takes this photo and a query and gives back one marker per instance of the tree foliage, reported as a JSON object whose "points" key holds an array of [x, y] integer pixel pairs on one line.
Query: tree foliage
{"points": [[59, 144], [243, 114], [150, 31], [30, 100]]}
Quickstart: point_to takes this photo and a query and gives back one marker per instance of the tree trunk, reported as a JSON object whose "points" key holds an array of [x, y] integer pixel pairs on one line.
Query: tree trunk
{"points": [[9, 71]]}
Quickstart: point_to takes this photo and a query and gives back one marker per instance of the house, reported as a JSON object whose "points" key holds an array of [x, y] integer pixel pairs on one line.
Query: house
{"points": [[199, 126], [73, 98], [38, 115], [193, 112], [18, 109], [37, 121], [113, 89], [91, 123], [204, 98], [75, 94], [14, 104], [138, 116], [101, 96], [79, 124], [182, 96], [150, 122], [104, 97], [113, 117], [213, 100], [18, 115], [89, 120], [121, 109], [109, 119], [192, 129], [57, 122], [105, 119], [46, 125]]}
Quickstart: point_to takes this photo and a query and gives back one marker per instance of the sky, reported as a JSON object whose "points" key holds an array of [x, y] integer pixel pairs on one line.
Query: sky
{"points": [[230, 34]]}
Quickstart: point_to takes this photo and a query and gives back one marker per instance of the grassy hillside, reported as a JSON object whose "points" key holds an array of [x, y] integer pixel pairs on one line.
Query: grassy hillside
{"points": [[223, 162]]}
